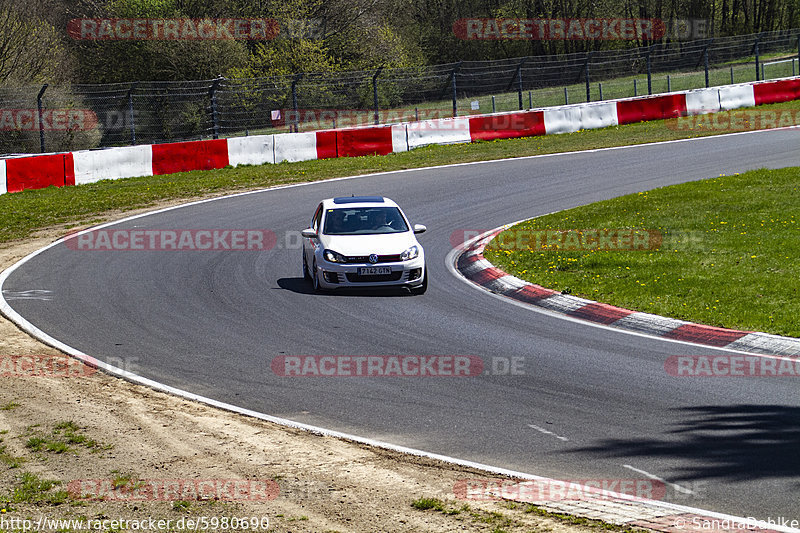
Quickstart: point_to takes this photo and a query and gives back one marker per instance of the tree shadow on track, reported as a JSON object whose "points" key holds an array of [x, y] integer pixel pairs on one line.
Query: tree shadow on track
{"points": [[736, 442]]}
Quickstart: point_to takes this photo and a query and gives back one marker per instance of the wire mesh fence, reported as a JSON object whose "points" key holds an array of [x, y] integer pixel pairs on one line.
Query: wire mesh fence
{"points": [[38, 119]]}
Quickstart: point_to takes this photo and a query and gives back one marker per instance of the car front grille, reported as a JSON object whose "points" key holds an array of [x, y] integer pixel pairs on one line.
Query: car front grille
{"points": [[355, 278], [365, 259]]}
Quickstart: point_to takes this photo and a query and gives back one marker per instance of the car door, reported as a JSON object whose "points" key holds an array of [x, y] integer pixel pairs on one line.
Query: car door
{"points": [[309, 245]]}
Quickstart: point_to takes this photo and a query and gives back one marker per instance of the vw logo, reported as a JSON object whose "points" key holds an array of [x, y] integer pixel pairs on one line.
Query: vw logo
{"points": [[373, 258]]}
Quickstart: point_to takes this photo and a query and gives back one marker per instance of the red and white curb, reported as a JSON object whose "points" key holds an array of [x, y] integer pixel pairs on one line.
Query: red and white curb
{"points": [[471, 264]]}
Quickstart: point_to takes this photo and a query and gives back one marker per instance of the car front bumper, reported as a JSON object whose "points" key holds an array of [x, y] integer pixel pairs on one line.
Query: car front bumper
{"points": [[403, 274]]}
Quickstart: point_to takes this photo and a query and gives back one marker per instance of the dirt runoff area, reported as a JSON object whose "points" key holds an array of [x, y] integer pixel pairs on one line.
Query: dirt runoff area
{"points": [[110, 455]]}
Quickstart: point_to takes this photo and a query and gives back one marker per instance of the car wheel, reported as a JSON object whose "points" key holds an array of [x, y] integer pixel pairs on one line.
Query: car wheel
{"points": [[306, 275], [424, 287]]}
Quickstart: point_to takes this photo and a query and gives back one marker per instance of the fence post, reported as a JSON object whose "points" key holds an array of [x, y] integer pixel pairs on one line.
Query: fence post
{"points": [[635, 88], [566, 96], [214, 114], [296, 125], [586, 71], [130, 112], [705, 59], [530, 98], [669, 84], [375, 91], [755, 50], [455, 90], [519, 82], [798, 53], [600, 88], [731, 75], [41, 118], [494, 109], [649, 71]]}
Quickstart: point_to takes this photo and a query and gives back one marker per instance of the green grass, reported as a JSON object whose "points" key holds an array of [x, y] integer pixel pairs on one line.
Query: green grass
{"points": [[31, 489], [60, 440], [23, 213], [730, 256]]}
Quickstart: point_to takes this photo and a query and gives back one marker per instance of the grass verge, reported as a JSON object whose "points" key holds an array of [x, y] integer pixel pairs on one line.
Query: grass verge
{"points": [[23, 213], [728, 254]]}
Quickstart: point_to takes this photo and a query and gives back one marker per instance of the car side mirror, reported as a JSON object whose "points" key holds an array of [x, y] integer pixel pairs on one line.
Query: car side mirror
{"points": [[419, 228], [309, 233]]}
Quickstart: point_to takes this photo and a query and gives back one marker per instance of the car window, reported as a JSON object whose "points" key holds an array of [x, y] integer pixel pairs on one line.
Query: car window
{"points": [[364, 221], [315, 220]]}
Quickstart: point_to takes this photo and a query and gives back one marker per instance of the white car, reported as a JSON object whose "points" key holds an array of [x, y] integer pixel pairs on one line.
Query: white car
{"points": [[361, 241]]}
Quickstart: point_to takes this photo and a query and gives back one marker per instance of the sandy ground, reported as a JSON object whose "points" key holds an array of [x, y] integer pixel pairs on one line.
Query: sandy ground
{"points": [[148, 443]]}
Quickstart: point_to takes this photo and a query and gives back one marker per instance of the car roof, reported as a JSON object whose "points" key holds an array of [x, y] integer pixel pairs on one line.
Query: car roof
{"points": [[358, 201]]}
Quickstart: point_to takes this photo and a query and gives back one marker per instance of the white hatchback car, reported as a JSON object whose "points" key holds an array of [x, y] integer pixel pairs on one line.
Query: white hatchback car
{"points": [[362, 241]]}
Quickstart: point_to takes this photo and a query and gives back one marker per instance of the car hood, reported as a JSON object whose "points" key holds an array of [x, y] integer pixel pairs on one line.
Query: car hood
{"points": [[384, 244]]}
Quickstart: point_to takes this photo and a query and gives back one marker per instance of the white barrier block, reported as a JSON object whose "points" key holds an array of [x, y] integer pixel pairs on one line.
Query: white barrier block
{"points": [[702, 101], [600, 115], [562, 119], [399, 138], [438, 131], [735, 96], [254, 150], [295, 146], [113, 163], [3, 188]]}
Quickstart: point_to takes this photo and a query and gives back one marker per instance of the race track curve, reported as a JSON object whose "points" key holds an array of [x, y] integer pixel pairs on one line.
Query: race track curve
{"points": [[211, 322]]}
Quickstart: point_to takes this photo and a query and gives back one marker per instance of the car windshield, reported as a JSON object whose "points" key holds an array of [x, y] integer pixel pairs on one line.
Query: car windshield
{"points": [[364, 221]]}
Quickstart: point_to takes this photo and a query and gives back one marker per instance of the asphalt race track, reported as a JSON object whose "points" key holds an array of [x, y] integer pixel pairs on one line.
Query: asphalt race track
{"points": [[211, 322]]}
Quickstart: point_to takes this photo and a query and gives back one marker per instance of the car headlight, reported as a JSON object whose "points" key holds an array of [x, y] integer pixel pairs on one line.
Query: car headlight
{"points": [[409, 254], [333, 257]]}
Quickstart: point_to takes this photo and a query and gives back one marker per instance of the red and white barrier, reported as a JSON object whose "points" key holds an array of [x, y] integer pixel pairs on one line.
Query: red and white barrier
{"points": [[506, 125], [651, 108], [598, 115], [772, 92], [562, 119], [575, 117], [294, 147], [186, 156], [113, 163], [736, 96], [40, 171], [3, 189], [438, 131], [702, 101], [255, 150]]}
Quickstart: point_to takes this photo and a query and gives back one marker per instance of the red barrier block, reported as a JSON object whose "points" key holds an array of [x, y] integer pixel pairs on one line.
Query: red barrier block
{"points": [[326, 144], [192, 155], [356, 142], [653, 108], [506, 126], [39, 171], [776, 91]]}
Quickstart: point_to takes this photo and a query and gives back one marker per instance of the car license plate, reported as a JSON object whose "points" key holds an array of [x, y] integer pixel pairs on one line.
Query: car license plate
{"points": [[374, 271]]}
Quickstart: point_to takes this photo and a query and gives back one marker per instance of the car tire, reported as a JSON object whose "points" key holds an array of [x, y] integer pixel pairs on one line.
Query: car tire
{"points": [[306, 275], [424, 287]]}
